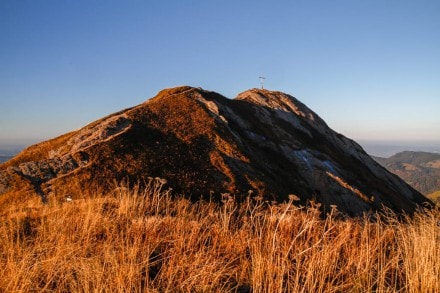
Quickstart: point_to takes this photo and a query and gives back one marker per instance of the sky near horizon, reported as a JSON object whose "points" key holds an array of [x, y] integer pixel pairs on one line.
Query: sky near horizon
{"points": [[370, 69]]}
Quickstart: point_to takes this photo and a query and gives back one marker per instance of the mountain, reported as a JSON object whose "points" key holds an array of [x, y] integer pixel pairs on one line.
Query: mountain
{"points": [[419, 169], [264, 143]]}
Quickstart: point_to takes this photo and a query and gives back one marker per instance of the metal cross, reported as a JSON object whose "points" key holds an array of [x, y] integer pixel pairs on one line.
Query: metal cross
{"points": [[262, 79]]}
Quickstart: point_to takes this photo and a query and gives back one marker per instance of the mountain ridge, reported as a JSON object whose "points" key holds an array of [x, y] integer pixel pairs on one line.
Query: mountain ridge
{"points": [[205, 144], [419, 169]]}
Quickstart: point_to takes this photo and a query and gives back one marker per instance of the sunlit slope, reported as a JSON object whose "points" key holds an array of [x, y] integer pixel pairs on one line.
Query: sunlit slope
{"points": [[263, 142]]}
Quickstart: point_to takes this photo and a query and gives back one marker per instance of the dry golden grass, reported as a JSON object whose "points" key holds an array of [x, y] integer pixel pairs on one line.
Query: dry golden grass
{"points": [[435, 197], [145, 241]]}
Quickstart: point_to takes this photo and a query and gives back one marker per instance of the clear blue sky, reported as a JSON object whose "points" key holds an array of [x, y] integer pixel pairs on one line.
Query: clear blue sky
{"points": [[371, 69]]}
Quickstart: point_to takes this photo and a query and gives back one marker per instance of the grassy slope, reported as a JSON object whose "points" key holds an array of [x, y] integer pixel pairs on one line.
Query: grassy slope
{"points": [[134, 241], [435, 196]]}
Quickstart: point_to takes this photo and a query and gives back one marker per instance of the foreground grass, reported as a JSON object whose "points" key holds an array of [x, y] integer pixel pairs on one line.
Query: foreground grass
{"points": [[145, 241]]}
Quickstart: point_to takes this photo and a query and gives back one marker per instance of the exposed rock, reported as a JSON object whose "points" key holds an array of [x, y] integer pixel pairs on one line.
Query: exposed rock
{"points": [[101, 132], [205, 144]]}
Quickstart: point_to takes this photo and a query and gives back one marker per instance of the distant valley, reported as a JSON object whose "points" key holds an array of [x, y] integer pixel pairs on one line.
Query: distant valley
{"points": [[419, 169]]}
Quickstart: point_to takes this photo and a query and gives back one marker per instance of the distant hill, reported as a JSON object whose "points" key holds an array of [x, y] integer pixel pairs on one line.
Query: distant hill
{"points": [[264, 143], [386, 149], [419, 169]]}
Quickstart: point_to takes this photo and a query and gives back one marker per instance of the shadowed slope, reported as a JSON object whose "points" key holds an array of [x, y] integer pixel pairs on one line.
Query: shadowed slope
{"points": [[205, 144]]}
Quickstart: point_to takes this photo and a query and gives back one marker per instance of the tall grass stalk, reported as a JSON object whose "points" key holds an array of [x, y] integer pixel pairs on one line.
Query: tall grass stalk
{"points": [[135, 240]]}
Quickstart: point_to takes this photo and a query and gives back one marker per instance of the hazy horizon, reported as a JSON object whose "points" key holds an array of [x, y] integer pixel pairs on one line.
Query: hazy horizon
{"points": [[379, 148], [386, 149]]}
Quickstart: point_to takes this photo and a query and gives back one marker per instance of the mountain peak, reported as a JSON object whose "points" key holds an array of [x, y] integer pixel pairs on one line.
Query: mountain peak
{"points": [[205, 144], [282, 103], [174, 91]]}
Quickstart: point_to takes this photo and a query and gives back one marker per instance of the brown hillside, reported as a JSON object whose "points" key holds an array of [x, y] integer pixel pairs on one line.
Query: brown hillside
{"points": [[204, 144]]}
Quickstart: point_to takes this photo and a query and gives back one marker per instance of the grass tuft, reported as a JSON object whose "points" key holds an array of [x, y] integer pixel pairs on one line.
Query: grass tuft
{"points": [[148, 241]]}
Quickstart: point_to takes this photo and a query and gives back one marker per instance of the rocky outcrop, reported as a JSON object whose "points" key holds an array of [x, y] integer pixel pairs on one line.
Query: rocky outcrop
{"points": [[205, 144]]}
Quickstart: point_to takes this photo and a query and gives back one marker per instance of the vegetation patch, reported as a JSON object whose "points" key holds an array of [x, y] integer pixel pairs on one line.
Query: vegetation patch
{"points": [[137, 240]]}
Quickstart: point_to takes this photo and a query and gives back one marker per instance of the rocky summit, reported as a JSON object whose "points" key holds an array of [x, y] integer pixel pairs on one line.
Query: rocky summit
{"points": [[262, 143]]}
